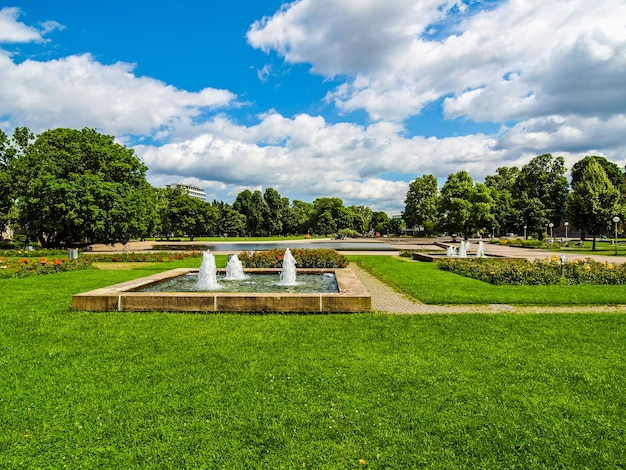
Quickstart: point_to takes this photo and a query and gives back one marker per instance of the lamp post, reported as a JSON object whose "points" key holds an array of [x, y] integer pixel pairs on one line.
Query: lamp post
{"points": [[525, 227], [616, 221], [566, 225], [551, 234]]}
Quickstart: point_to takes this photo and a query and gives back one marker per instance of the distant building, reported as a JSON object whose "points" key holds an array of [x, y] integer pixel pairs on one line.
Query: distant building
{"points": [[192, 191]]}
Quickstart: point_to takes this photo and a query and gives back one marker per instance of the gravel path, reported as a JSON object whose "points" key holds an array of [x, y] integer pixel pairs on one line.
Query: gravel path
{"points": [[387, 300]]}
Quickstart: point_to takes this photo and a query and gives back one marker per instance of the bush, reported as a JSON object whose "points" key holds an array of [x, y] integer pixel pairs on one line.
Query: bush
{"points": [[305, 258], [540, 272], [349, 233]]}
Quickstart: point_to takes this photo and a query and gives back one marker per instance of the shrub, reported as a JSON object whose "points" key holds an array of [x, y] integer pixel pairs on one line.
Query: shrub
{"points": [[305, 258], [540, 272]]}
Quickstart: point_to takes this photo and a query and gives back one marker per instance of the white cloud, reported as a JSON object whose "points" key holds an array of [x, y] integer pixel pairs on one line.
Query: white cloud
{"points": [[13, 31], [519, 59], [78, 91]]}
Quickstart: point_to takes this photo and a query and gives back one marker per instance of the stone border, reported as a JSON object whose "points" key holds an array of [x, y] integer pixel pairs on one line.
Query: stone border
{"points": [[352, 297]]}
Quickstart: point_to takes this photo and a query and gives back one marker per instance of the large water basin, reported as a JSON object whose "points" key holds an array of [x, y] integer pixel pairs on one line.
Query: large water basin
{"points": [[260, 246], [257, 283]]}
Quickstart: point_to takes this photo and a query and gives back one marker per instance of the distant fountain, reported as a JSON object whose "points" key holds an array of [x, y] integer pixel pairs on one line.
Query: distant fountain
{"points": [[464, 248], [207, 276], [288, 275], [234, 269], [480, 250], [451, 251]]}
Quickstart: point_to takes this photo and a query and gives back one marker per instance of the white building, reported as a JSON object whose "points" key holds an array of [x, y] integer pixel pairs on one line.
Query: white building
{"points": [[193, 191]]}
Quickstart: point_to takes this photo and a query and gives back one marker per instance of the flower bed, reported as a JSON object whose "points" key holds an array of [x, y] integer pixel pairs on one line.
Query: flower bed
{"points": [[540, 272], [24, 267], [132, 257], [305, 258]]}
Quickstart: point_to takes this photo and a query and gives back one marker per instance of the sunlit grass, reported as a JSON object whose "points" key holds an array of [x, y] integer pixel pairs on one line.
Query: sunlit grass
{"points": [[166, 390], [426, 283]]}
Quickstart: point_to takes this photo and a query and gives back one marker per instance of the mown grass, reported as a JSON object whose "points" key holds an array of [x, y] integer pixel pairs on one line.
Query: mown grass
{"points": [[163, 390], [426, 283]]}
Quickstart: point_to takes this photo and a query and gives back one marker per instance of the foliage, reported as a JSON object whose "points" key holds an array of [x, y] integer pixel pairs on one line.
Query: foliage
{"points": [[594, 201], [540, 190], [74, 186], [613, 171], [531, 243], [151, 257], [348, 232], [420, 205], [467, 207], [305, 258], [506, 216], [538, 273], [25, 267]]}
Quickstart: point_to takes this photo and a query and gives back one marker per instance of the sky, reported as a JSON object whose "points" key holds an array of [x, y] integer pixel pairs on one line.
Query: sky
{"points": [[322, 98]]}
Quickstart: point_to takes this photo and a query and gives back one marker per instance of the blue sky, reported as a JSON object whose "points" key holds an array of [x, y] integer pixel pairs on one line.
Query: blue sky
{"points": [[319, 98]]}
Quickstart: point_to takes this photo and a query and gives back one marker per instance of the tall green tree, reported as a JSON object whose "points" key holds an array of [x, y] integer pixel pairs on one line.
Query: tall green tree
{"points": [[542, 181], [420, 205], [254, 208], [10, 149], [455, 203], [231, 222], [276, 209], [594, 201], [613, 171], [80, 186], [506, 215]]}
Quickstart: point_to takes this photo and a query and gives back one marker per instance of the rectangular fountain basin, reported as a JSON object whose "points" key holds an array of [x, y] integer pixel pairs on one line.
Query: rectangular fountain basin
{"points": [[123, 297]]}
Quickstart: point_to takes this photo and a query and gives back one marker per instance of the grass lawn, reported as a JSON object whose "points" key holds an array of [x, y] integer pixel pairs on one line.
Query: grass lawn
{"points": [[426, 283], [163, 390]]}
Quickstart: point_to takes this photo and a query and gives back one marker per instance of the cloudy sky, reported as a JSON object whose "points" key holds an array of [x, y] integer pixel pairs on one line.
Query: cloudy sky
{"points": [[322, 98]]}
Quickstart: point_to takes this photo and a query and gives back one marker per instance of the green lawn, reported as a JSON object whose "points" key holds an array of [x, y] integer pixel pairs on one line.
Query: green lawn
{"points": [[163, 390], [426, 283]]}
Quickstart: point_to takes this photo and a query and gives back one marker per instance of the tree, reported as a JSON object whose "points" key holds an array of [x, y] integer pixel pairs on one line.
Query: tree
{"points": [[276, 208], [253, 207], [330, 215], [543, 180], [420, 205], [231, 222], [361, 218], [481, 211], [77, 187], [612, 170], [594, 201], [299, 218], [506, 215], [10, 149], [455, 202], [380, 222]]}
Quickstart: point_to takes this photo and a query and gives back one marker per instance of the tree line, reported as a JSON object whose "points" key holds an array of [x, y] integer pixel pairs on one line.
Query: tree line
{"points": [[68, 187], [525, 200]]}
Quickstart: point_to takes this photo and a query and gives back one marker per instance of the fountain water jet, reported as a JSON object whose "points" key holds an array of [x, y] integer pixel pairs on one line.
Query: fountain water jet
{"points": [[480, 251], [207, 276], [288, 275], [451, 251], [234, 269]]}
